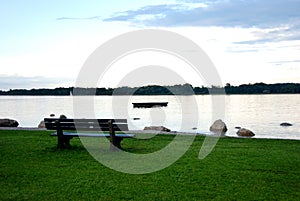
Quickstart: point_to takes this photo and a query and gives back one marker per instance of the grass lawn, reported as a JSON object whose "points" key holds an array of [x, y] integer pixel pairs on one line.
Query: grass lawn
{"points": [[237, 169]]}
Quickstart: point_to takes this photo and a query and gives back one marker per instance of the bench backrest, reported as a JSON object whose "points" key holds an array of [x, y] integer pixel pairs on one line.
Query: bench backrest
{"points": [[86, 124]]}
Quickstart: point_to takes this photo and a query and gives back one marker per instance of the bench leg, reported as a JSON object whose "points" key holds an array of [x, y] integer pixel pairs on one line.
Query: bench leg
{"points": [[63, 142], [67, 142], [115, 144], [60, 141]]}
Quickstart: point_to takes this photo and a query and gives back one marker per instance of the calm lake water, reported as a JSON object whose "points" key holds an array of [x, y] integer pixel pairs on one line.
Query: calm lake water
{"points": [[260, 113]]}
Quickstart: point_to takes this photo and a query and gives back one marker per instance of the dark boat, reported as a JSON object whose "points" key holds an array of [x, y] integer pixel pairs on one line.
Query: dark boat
{"points": [[150, 104]]}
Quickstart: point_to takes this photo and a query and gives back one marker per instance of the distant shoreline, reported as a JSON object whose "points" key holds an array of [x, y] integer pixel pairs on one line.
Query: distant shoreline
{"points": [[154, 95], [154, 90]]}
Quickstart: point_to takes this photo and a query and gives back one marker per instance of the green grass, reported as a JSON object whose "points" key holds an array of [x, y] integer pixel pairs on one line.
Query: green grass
{"points": [[237, 169]]}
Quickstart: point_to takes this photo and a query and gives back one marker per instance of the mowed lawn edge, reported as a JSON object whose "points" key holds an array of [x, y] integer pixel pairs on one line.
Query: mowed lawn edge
{"points": [[31, 168]]}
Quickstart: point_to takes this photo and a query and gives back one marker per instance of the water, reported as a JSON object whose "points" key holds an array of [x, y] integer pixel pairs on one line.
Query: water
{"points": [[260, 113]]}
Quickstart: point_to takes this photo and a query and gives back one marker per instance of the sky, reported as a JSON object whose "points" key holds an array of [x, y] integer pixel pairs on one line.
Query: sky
{"points": [[44, 44]]}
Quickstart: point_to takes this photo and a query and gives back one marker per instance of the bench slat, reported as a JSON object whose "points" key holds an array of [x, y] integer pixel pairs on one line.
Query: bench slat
{"points": [[90, 128], [86, 124], [125, 135], [85, 120]]}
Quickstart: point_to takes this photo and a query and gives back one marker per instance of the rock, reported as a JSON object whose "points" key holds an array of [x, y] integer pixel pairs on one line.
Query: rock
{"points": [[218, 126], [62, 116], [245, 132], [157, 128], [42, 124], [52, 115], [8, 123], [286, 124]]}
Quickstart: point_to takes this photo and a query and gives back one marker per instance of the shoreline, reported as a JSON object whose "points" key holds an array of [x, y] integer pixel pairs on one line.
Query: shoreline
{"points": [[158, 132]]}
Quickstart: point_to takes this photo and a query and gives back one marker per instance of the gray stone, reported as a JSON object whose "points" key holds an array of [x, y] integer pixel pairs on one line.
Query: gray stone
{"points": [[245, 132], [157, 128], [42, 124], [8, 123], [218, 126], [62, 116]]}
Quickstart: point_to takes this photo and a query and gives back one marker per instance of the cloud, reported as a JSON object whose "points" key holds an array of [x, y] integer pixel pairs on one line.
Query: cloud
{"points": [[262, 14], [286, 32], [145, 15], [279, 63], [230, 13], [79, 18], [20, 82]]}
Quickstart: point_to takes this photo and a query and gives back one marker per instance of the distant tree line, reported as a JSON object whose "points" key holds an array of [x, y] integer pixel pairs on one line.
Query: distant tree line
{"points": [[185, 89], [262, 88]]}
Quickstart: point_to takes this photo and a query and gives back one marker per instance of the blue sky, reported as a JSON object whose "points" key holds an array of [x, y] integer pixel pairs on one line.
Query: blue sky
{"points": [[45, 43]]}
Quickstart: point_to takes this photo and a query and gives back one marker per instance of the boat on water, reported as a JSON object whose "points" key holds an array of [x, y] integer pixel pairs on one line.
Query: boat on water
{"points": [[150, 104]]}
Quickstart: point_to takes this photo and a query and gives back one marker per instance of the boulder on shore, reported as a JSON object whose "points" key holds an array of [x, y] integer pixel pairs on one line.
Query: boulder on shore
{"points": [[62, 116], [218, 127], [286, 124], [42, 124], [157, 128], [8, 123], [245, 132]]}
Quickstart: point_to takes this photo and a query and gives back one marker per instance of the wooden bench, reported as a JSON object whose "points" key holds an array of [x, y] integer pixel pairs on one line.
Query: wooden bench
{"points": [[64, 126]]}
